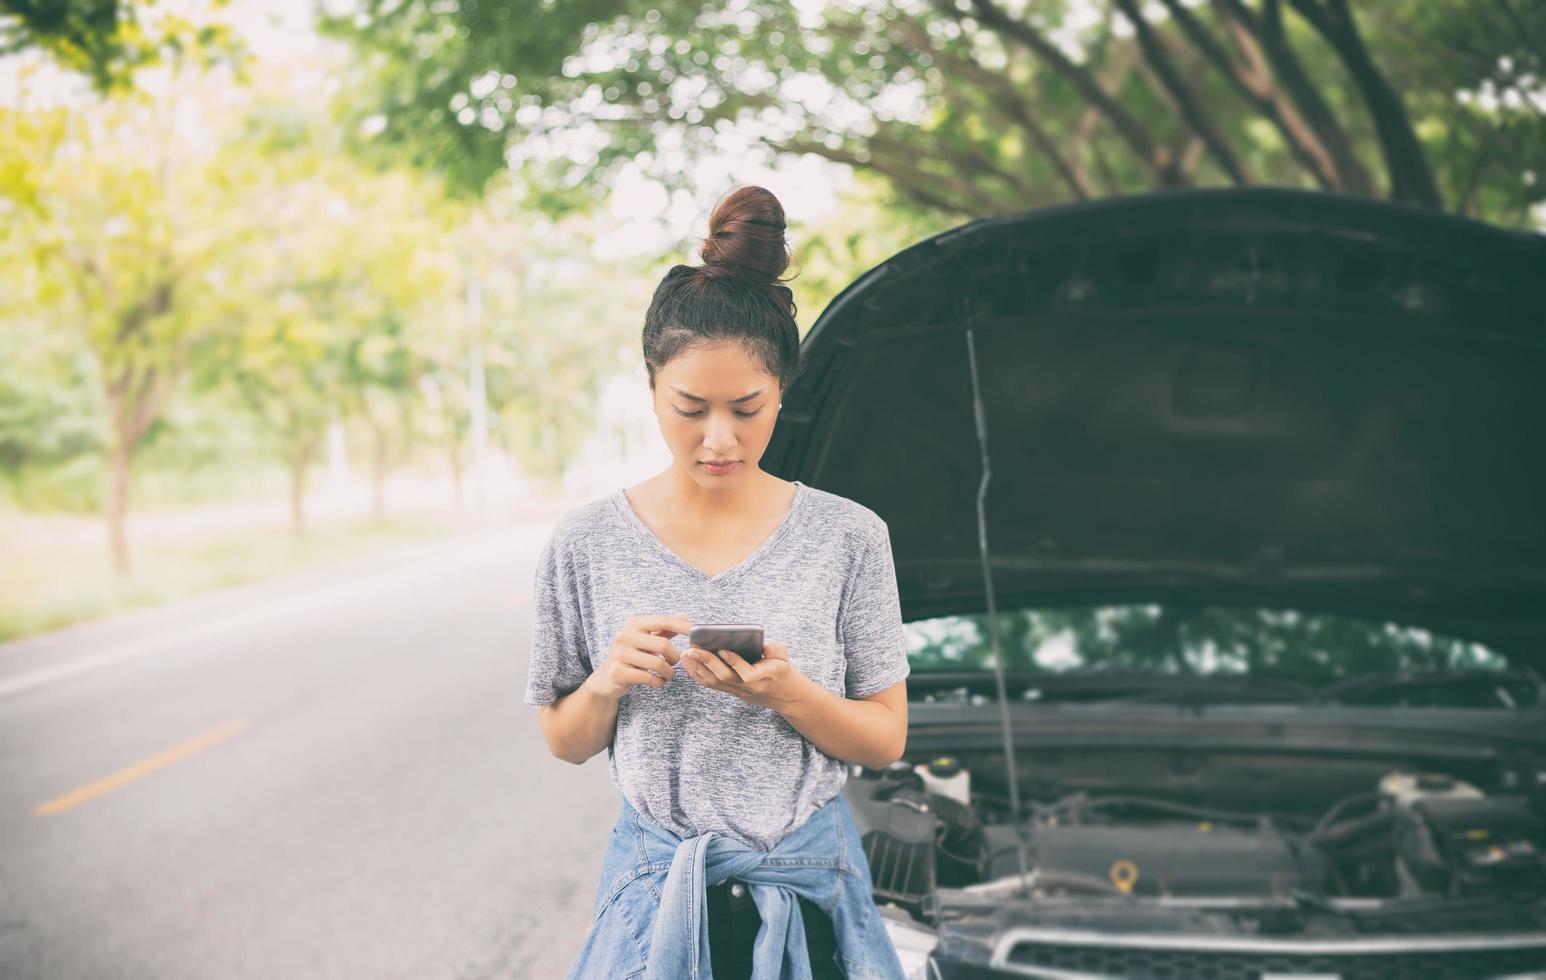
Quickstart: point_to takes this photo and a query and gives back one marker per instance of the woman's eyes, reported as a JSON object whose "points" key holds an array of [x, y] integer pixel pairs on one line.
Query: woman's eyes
{"points": [[693, 415]]}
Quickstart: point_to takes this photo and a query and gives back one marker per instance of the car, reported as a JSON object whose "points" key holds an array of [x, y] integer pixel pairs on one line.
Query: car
{"points": [[1263, 539]]}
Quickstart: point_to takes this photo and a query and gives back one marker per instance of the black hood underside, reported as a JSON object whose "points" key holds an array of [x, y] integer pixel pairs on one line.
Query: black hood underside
{"points": [[1264, 396]]}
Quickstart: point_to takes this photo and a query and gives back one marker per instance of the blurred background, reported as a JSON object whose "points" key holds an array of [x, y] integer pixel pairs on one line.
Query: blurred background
{"points": [[314, 316]]}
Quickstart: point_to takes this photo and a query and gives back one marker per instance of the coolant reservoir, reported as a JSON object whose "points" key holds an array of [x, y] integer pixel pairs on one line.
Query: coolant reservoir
{"points": [[945, 775], [1406, 788]]}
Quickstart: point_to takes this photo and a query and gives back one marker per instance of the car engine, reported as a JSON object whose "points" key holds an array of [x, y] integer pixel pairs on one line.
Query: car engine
{"points": [[1412, 836]]}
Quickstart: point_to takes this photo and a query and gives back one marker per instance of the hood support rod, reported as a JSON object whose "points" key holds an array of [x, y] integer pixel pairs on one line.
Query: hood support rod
{"points": [[987, 577]]}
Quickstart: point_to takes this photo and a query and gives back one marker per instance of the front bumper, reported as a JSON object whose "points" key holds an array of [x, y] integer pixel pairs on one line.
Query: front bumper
{"points": [[1068, 954]]}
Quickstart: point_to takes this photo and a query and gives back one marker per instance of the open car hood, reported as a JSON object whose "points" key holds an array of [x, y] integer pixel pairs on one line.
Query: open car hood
{"points": [[1266, 396]]}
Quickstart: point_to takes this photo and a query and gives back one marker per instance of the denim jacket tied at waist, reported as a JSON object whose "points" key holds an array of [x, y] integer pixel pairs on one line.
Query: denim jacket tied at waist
{"points": [[651, 918]]}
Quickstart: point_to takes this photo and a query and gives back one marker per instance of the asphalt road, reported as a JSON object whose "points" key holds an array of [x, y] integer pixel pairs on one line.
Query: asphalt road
{"points": [[332, 775]]}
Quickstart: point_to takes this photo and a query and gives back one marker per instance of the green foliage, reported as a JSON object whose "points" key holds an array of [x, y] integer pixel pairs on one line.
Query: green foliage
{"points": [[351, 272], [419, 89], [554, 337], [72, 485], [50, 406], [864, 231], [973, 107], [109, 40], [272, 286]]}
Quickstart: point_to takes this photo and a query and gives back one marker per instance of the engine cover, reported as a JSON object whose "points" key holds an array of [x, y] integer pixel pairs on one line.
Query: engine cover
{"points": [[1167, 858]]}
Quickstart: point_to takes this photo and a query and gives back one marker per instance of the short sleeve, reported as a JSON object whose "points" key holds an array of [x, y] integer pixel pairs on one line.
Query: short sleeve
{"points": [[871, 621], [559, 663]]}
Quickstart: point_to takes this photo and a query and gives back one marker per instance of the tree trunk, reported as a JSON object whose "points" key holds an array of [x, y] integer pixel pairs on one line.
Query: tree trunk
{"points": [[298, 466], [378, 474], [456, 480], [118, 506]]}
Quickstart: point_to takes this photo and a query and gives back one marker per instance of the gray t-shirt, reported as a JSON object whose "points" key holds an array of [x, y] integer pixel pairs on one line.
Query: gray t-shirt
{"points": [[693, 759]]}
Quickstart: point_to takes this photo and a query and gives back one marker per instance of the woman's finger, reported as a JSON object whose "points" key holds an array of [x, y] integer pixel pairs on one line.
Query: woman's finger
{"points": [[658, 645], [741, 668], [667, 625], [647, 661], [635, 675], [697, 671], [716, 666]]}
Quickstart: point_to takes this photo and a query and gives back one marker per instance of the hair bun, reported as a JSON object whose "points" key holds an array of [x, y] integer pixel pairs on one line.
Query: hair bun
{"points": [[746, 237]]}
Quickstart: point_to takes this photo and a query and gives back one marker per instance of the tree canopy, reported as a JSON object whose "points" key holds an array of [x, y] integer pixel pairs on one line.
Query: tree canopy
{"points": [[108, 40], [973, 107]]}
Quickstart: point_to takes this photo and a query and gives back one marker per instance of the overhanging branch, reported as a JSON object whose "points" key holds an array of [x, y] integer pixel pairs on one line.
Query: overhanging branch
{"points": [[1009, 105], [1155, 156], [1268, 32], [1254, 83], [1186, 100], [1405, 159]]}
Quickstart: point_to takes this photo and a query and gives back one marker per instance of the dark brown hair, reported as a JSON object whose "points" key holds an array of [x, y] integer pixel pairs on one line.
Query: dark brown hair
{"points": [[738, 293]]}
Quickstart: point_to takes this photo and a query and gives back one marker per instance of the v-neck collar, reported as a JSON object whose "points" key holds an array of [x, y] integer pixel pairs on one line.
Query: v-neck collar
{"points": [[620, 498]]}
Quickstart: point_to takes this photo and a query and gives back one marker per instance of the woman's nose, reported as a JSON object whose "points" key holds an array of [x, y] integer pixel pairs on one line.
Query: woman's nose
{"points": [[719, 435]]}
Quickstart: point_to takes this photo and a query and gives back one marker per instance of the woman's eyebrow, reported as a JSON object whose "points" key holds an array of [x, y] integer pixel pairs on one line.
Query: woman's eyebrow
{"points": [[733, 401]]}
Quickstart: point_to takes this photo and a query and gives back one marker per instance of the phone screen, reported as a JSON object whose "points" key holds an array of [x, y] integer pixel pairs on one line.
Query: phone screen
{"points": [[744, 640]]}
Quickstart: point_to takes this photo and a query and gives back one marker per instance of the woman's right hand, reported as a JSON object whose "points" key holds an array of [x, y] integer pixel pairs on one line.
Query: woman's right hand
{"points": [[641, 651]]}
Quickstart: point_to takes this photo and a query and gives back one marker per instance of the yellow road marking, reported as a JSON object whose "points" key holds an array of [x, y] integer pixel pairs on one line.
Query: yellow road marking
{"points": [[142, 768]]}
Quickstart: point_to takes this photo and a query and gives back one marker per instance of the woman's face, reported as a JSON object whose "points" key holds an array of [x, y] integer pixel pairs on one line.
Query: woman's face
{"points": [[715, 402]]}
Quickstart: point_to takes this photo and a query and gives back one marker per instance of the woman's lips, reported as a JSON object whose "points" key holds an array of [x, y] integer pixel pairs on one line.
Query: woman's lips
{"points": [[719, 469]]}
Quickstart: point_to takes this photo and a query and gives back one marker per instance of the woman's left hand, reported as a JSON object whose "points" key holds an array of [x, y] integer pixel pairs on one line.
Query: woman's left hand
{"points": [[772, 682]]}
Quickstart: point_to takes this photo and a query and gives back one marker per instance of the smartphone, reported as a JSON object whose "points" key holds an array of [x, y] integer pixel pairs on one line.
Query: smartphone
{"points": [[745, 641]]}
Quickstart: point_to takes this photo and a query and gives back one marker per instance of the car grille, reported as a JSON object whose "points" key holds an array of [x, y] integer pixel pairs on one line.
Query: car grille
{"points": [[1072, 961]]}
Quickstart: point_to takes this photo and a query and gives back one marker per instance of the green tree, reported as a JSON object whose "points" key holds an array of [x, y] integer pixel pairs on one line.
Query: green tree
{"points": [[125, 233], [282, 363], [975, 107], [454, 352], [358, 275], [47, 411], [402, 278], [350, 273], [109, 40], [560, 321]]}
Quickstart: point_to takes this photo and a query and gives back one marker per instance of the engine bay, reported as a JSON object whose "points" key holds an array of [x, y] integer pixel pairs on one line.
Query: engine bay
{"points": [[938, 831]]}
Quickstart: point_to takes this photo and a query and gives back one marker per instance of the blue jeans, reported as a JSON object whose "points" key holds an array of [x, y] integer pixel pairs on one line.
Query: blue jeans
{"points": [[651, 919]]}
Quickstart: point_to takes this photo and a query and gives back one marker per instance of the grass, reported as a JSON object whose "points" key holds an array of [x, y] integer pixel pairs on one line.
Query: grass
{"points": [[56, 572]]}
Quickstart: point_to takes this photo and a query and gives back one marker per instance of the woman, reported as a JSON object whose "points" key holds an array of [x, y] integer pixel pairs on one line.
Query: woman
{"points": [[735, 854]]}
